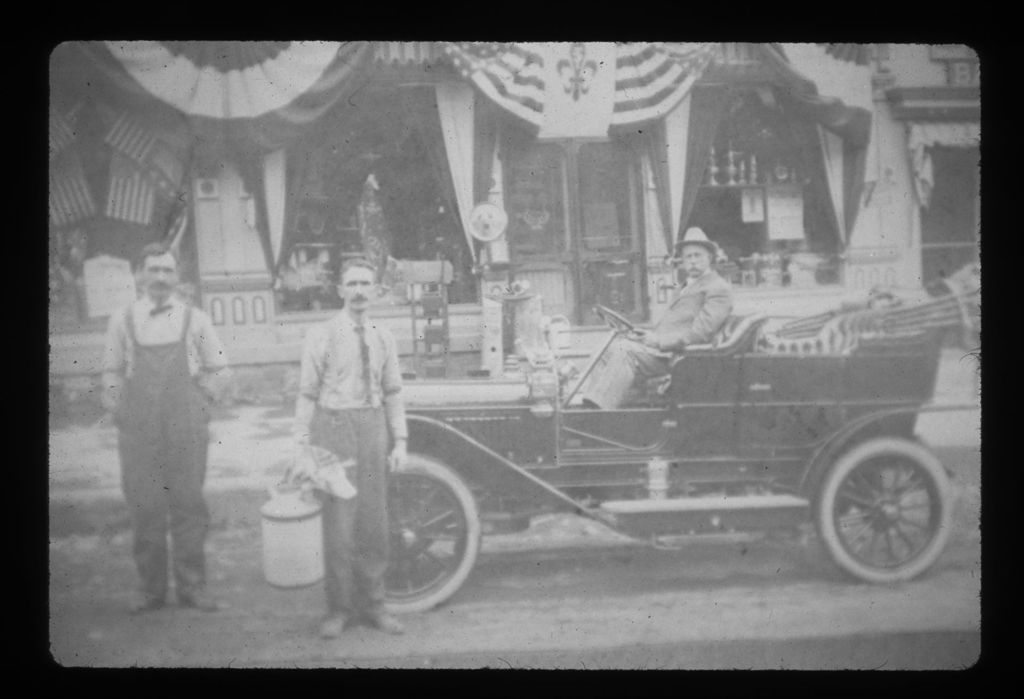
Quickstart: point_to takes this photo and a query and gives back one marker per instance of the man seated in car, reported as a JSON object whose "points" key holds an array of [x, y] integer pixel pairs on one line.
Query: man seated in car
{"points": [[693, 318]]}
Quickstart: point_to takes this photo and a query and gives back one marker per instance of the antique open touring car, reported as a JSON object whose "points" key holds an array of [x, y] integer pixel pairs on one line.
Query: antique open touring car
{"points": [[812, 421]]}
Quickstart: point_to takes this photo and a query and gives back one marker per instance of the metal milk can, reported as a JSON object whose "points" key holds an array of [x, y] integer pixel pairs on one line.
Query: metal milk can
{"points": [[293, 546]]}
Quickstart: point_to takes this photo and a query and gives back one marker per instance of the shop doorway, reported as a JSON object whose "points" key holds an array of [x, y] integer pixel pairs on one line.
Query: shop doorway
{"points": [[575, 227], [950, 224]]}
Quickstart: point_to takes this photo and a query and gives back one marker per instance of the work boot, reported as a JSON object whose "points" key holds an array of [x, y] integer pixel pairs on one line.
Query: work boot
{"points": [[144, 604], [333, 626], [382, 621], [199, 600]]}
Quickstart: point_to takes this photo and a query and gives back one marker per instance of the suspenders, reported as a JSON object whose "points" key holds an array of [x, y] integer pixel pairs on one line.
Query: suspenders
{"points": [[129, 318]]}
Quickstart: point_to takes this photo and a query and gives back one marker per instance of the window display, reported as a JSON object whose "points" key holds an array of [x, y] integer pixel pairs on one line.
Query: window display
{"points": [[372, 182], [756, 200]]}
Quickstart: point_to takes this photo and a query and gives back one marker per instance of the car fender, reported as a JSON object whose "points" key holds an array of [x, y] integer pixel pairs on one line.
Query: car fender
{"points": [[482, 467], [887, 422]]}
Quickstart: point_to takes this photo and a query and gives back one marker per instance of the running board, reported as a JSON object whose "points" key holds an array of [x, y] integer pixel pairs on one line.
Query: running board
{"points": [[703, 515]]}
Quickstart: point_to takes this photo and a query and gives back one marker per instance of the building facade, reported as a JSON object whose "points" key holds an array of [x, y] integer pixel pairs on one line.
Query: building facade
{"points": [[821, 171]]}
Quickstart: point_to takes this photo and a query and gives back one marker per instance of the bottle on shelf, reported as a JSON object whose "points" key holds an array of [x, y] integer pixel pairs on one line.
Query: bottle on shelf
{"points": [[731, 169], [753, 169], [713, 168]]}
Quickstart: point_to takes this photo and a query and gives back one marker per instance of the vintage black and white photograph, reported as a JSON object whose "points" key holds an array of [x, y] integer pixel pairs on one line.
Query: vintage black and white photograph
{"points": [[514, 355]]}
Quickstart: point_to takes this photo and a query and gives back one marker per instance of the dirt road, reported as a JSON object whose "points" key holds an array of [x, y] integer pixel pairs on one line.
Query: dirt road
{"points": [[771, 603]]}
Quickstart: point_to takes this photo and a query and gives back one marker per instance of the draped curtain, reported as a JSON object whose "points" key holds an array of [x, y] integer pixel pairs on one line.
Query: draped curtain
{"points": [[455, 109], [677, 129], [655, 147], [706, 112], [422, 116], [832, 164], [486, 139], [274, 193], [848, 118], [296, 170]]}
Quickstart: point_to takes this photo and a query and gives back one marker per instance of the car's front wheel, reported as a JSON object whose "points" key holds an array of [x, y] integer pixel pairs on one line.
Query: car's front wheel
{"points": [[884, 510], [435, 535]]}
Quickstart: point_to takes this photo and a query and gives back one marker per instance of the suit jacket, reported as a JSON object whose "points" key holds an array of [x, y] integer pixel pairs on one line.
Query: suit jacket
{"points": [[696, 314]]}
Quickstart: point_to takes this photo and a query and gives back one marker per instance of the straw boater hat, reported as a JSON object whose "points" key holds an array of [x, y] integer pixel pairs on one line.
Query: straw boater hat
{"points": [[695, 236]]}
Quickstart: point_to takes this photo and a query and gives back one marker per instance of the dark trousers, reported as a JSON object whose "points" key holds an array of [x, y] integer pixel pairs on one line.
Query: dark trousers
{"points": [[162, 473], [355, 530]]}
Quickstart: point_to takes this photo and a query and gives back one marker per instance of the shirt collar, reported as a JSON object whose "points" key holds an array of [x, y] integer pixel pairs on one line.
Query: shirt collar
{"points": [[345, 321], [145, 303]]}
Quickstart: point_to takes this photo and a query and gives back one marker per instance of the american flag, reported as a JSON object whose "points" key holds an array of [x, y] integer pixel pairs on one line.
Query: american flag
{"points": [[130, 137], [62, 130], [70, 198], [131, 195], [651, 79], [510, 74]]}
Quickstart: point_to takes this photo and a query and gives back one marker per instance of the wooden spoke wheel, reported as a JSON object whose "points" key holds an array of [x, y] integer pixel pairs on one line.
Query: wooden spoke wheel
{"points": [[884, 510], [434, 535]]}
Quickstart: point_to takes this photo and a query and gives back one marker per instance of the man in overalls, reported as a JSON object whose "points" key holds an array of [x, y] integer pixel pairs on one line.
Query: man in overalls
{"points": [[162, 359], [350, 403]]}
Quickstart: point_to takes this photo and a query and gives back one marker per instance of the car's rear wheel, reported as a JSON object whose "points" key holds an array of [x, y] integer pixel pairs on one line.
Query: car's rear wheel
{"points": [[884, 510], [435, 535]]}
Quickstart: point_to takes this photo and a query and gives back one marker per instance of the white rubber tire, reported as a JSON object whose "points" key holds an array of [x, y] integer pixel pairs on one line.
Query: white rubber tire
{"points": [[424, 466], [826, 502]]}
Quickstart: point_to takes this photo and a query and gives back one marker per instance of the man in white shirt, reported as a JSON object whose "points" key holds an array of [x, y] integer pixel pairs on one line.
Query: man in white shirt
{"points": [[350, 403], [161, 363]]}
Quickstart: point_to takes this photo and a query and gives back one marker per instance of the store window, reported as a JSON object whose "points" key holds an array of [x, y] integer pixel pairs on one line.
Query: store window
{"points": [[372, 181], [949, 225], [762, 198], [575, 231]]}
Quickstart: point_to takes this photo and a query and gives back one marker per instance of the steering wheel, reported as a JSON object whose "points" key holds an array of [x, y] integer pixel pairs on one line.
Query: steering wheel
{"points": [[615, 320]]}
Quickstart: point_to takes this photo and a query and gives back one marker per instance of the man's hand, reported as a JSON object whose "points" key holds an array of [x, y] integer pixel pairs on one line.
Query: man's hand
{"points": [[645, 337], [399, 457], [303, 466]]}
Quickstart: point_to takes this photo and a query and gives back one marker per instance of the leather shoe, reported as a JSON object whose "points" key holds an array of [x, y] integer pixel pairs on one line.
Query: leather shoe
{"points": [[333, 626], [200, 601], [145, 604], [382, 621]]}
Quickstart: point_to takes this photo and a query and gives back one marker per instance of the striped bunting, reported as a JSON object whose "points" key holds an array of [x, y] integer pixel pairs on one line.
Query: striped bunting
{"points": [[651, 79], [511, 75], [130, 137], [70, 198], [62, 131], [131, 195]]}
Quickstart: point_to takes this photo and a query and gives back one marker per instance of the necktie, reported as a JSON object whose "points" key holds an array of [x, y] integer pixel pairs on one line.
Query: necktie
{"points": [[364, 356]]}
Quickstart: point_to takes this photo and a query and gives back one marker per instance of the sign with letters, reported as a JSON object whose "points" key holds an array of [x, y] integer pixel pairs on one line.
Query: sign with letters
{"points": [[785, 213], [109, 285]]}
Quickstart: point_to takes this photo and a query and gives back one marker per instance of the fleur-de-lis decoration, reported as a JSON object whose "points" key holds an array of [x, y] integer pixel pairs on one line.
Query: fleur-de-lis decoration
{"points": [[577, 72]]}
